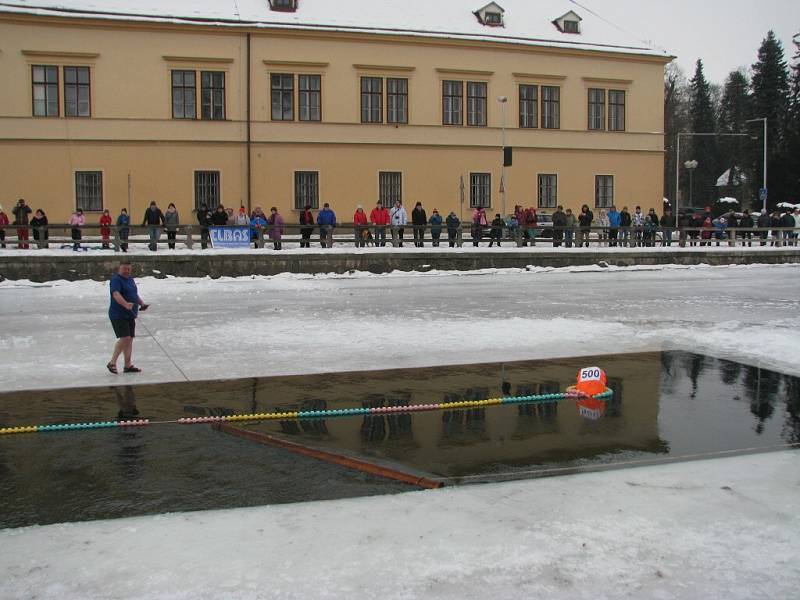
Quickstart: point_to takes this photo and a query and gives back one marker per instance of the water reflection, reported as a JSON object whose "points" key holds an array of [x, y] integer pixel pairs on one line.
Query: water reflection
{"points": [[663, 403]]}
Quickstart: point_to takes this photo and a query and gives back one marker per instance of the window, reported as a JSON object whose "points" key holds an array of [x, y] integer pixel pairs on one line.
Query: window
{"points": [[212, 90], [616, 110], [480, 190], [76, 92], [89, 190], [390, 187], [184, 95], [396, 100], [452, 103], [597, 109], [206, 189], [371, 100], [310, 100], [476, 103], [493, 18], [528, 105], [548, 191], [603, 191], [45, 90], [551, 107], [282, 97], [283, 5], [306, 189], [571, 27]]}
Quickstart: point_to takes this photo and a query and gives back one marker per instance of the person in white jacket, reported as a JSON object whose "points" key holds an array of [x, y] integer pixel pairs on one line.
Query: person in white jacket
{"points": [[398, 219]]}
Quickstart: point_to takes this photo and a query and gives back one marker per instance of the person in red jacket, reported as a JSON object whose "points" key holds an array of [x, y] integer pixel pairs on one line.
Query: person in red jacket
{"points": [[380, 219], [360, 227], [105, 228]]}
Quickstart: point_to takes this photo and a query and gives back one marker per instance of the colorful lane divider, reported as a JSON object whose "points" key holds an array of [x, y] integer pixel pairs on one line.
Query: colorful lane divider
{"points": [[572, 393]]}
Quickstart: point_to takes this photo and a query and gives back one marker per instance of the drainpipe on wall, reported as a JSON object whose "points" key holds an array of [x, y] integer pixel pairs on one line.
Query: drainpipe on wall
{"points": [[249, 183]]}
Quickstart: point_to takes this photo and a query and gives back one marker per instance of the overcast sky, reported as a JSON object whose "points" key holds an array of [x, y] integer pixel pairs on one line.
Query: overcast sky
{"points": [[726, 34]]}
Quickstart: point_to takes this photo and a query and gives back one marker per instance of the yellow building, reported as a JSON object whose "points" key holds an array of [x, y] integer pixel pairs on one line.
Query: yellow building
{"points": [[293, 102]]}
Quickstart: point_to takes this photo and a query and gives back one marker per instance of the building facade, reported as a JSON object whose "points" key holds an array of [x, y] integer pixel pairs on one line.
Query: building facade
{"points": [[291, 106]]}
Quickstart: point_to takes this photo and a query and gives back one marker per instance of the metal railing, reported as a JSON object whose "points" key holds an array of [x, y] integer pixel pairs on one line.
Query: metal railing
{"points": [[122, 238]]}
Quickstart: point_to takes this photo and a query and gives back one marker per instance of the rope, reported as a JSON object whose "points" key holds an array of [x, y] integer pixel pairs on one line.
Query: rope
{"points": [[162, 349], [314, 414]]}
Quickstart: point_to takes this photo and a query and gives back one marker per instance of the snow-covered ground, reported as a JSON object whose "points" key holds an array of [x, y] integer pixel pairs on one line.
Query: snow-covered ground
{"points": [[717, 528]]}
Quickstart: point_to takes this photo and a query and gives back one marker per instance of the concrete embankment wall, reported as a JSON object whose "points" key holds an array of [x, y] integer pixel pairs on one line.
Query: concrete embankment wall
{"points": [[161, 264]]}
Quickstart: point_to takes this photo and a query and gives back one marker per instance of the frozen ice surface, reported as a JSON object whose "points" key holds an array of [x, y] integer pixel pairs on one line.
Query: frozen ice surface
{"points": [[723, 528], [57, 334]]}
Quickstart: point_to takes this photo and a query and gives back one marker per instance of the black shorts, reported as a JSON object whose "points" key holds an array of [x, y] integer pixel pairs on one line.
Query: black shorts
{"points": [[124, 327]]}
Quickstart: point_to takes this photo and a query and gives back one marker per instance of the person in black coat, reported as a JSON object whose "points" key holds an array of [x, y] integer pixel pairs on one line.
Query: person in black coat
{"points": [[219, 217], [307, 226], [787, 220], [204, 220], [419, 219], [154, 219], [746, 222], [559, 222], [667, 223], [585, 219], [39, 226], [497, 230], [764, 221], [453, 223]]}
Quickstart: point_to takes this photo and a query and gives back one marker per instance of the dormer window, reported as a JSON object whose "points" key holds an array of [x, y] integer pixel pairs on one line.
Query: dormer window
{"points": [[493, 18], [490, 15], [568, 23], [283, 5]]}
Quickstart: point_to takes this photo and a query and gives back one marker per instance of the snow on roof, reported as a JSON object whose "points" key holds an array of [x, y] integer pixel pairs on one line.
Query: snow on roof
{"points": [[525, 22]]}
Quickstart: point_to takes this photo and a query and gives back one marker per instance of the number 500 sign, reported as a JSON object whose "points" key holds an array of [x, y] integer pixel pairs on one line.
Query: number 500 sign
{"points": [[590, 374]]}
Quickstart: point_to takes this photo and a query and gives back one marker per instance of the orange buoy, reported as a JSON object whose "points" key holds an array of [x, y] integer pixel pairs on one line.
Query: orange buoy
{"points": [[591, 381]]}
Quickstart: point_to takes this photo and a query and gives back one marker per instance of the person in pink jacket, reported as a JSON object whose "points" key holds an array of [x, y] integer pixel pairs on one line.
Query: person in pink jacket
{"points": [[77, 220], [3, 222], [275, 227]]}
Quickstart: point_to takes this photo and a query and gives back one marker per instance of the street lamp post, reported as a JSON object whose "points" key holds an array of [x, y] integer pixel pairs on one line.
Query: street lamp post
{"points": [[691, 165], [764, 120], [502, 100]]}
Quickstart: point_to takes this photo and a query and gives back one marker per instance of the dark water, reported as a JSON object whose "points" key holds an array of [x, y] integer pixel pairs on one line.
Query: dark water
{"points": [[666, 406]]}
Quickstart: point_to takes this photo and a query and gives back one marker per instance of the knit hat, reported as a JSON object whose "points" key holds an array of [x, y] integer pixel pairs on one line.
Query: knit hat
{"points": [[359, 207]]}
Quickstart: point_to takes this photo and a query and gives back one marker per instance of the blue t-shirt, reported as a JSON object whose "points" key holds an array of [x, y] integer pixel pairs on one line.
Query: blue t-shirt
{"points": [[126, 286]]}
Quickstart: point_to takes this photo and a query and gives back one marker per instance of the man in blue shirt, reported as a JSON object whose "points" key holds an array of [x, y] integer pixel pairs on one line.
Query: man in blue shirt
{"points": [[123, 310], [326, 219]]}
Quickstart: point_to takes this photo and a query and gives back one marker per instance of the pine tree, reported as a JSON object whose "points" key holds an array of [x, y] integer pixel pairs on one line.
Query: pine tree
{"points": [[704, 148], [736, 152], [770, 99], [791, 147], [676, 118]]}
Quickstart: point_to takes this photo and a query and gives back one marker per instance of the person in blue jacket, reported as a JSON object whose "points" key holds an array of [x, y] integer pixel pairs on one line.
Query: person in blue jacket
{"points": [[257, 223], [436, 226], [123, 229], [123, 310], [326, 219], [614, 220]]}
